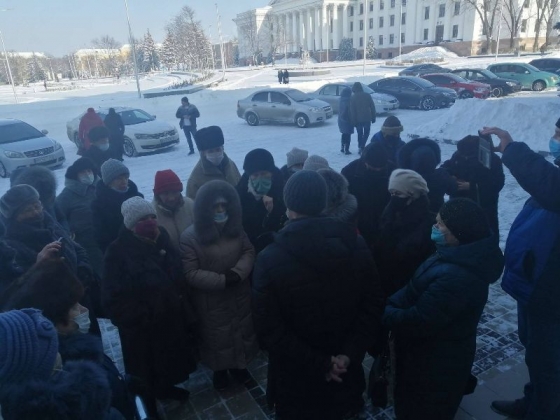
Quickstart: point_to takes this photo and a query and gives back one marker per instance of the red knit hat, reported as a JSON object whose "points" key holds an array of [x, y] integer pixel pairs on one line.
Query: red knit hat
{"points": [[167, 180]]}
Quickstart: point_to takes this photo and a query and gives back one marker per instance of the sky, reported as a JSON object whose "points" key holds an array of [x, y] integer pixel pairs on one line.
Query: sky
{"points": [[58, 27]]}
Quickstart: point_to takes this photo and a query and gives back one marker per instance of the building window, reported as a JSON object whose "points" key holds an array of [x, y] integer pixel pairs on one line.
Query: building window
{"points": [[392, 4], [404, 3], [391, 39], [402, 37], [426, 12], [361, 9], [442, 10], [381, 5], [455, 31], [351, 10], [380, 40], [381, 21], [351, 26], [371, 6], [390, 55], [370, 23], [392, 20], [457, 8], [361, 41], [425, 34], [361, 25], [403, 19], [524, 25]]}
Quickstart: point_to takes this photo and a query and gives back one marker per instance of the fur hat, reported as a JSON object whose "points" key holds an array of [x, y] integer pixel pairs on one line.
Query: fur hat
{"points": [[408, 182], [391, 126], [465, 219], [315, 162], [16, 198], [468, 146], [134, 209], [40, 178], [78, 166], [421, 155], [112, 169], [258, 160], [375, 155], [209, 138], [29, 346], [98, 133], [166, 181], [306, 193], [296, 157]]}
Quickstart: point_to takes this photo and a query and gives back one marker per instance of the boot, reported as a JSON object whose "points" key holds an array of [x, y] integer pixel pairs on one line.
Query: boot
{"points": [[513, 409], [220, 380], [241, 375], [191, 152], [347, 149], [342, 147]]}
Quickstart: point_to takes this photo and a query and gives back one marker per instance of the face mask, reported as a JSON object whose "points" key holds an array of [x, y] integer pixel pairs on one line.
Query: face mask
{"points": [[121, 191], [437, 236], [261, 185], [215, 158], [83, 322], [221, 217], [103, 147], [147, 229], [554, 146], [87, 179], [398, 203]]}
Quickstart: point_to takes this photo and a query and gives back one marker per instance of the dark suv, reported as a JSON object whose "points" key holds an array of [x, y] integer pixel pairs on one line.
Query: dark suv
{"points": [[420, 69], [499, 85], [551, 65]]}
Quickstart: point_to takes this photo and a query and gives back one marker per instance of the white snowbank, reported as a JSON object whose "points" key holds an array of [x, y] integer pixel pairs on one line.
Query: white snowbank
{"points": [[428, 53]]}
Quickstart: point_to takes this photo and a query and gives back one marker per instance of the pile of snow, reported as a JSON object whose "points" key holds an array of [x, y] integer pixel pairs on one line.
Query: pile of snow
{"points": [[293, 61], [427, 53], [528, 119]]}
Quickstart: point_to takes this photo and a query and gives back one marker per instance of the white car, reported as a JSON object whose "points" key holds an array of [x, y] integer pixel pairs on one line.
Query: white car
{"points": [[142, 133]]}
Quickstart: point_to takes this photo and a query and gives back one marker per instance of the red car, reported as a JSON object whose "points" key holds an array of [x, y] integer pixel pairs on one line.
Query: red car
{"points": [[464, 88]]}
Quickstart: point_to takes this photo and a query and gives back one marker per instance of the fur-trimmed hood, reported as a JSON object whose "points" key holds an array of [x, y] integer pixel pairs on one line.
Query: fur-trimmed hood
{"points": [[340, 204], [204, 225], [422, 155], [39, 177]]}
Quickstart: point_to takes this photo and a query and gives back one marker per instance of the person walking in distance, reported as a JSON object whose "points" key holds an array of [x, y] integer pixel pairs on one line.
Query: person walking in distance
{"points": [[344, 124], [115, 125], [362, 113], [187, 114]]}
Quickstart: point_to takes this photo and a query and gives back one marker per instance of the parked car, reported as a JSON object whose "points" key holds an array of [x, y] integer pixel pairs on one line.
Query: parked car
{"points": [[419, 69], [142, 133], [465, 89], [499, 85], [283, 106], [22, 145], [415, 92], [331, 93], [551, 65], [529, 76]]}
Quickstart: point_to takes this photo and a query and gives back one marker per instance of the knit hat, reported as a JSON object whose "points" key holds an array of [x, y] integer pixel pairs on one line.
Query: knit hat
{"points": [[98, 133], [465, 219], [166, 181], [134, 209], [375, 155], [408, 182], [209, 137], [391, 126], [258, 160], [29, 346], [296, 157], [315, 162], [468, 146], [112, 169], [337, 187], [16, 198], [78, 166], [306, 193]]}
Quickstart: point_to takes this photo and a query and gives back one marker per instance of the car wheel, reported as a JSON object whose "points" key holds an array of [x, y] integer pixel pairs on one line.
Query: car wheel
{"points": [[427, 103], [497, 92], [466, 95], [76, 140], [252, 119], [3, 171], [302, 121], [129, 148], [538, 85]]}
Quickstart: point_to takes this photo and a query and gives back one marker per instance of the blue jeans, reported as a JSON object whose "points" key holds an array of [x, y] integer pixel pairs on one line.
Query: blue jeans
{"points": [[540, 335], [188, 129], [363, 133]]}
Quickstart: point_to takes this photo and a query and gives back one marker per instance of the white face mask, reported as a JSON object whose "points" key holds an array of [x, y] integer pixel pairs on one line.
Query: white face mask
{"points": [[87, 179], [215, 158], [104, 147], [83, 322]]}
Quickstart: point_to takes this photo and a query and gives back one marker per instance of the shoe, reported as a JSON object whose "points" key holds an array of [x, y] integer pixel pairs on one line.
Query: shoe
{"points": [[191, 152], [220, 380], [513, 409], [347, 152], [173, 393], [342, 150], [241, 375]]}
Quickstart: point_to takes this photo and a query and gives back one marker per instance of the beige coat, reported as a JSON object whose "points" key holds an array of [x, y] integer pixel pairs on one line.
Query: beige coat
{"points": [[175, 222], [205, 171]]}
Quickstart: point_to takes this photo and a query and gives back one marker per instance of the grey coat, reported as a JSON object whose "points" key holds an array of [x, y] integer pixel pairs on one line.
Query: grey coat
{"points": [[205, 171]]}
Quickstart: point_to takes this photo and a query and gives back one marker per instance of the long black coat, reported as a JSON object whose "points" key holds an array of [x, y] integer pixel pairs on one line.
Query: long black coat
{"points": [[316, 294], [115, 125], [435, 319], [107, 216], [144, 295]]}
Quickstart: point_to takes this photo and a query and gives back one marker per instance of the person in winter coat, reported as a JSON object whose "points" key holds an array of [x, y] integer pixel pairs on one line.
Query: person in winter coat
{"points": [[280, 76], [218, 259], [187, 114], [531, 275], [295, 160], [174, 212], [345, 125], [476, 181], [115, 125], [435, 317], [390, 138], [362, 113], [317, 307], [34, 384], [111, 191], [340, 204], [315, 162], [423, 155], [146, 299], [89, 120], [368, 180], [405, 228], [213, 163], [260, 192], [75, 202], [286, 76], [100, 151]]}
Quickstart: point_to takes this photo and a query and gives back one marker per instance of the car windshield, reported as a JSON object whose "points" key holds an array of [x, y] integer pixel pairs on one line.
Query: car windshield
{"points": [[297, 95], [531, 67], [423, 82], [489, 74], [135, 116], [367, 89], [18, 131], [457, 78]]}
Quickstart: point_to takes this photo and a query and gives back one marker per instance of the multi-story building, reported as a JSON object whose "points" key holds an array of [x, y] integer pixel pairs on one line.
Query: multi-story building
{"points": [[318, 26]]}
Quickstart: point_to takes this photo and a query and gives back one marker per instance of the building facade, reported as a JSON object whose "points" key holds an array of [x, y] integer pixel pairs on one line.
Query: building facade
{"points": [[318, 26]]}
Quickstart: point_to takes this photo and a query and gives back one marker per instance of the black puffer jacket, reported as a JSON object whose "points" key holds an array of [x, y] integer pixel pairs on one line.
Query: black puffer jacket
{"points": [[98, 157], [316, 294]]}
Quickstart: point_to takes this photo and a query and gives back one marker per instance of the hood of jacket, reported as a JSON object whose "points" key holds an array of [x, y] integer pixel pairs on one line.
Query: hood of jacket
{"points": [[78, 346], [345, 211], [80, 188], [39, 177], [421, 155]]}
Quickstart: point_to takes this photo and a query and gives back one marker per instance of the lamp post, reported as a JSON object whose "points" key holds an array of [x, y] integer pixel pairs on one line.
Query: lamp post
{"points": [[400, 32], [133, 50], [366, 23], [499, 29], [8, 62], [221, 43]]}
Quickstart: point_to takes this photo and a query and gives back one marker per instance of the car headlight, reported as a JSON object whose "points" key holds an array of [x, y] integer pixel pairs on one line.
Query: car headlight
{"points": [[141, 136], [511, 83], [315, 110], [13, 155], [57, 146]]}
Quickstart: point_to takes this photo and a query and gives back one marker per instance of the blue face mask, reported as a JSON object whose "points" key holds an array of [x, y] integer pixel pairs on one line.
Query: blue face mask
{"points": [[437, 236], [221, 217], [554, 146], [104, 147], [261, 185]]}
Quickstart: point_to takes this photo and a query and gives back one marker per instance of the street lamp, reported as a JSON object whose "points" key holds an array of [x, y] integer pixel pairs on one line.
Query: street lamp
{"points": [[221, 43], [133, 50], [400, 32], [8, 62]]}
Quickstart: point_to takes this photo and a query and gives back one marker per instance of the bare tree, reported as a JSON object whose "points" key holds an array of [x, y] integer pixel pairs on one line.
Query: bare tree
{"points": [[250, 35], [277, 34], [489, 13], [110, 53], [549, 18], [513, 17]]}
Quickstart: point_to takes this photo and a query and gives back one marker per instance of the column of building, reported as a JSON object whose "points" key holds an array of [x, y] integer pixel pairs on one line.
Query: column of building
{"points": [[337, 27], [325, 26]]}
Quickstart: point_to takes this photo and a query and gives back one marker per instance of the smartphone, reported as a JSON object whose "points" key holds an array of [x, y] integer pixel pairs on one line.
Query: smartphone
{"points": [[485, 148]]}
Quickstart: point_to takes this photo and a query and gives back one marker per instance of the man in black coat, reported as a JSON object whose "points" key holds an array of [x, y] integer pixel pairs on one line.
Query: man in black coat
{"points": [[115, 125], [317, 305], [187, 114]]}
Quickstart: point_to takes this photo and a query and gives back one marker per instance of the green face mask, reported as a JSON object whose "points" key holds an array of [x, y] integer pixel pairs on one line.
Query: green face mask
{"points": [[261, 185]]}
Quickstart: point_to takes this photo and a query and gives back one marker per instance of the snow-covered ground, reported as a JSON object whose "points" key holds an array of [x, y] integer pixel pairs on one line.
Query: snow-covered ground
{"points": [[528, 116]]}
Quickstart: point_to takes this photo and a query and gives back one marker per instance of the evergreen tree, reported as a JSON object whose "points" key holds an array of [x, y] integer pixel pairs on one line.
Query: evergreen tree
{"points": [[35, 71], [371, 52], [346, 50], [150, 59], [169, 51]]}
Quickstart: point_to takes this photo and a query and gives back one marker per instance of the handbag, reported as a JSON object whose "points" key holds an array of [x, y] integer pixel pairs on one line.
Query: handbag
{"points": [[381, 376]]}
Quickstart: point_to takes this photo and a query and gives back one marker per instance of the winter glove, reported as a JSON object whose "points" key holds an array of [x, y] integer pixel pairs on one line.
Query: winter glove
{"points": [[232, 278]]}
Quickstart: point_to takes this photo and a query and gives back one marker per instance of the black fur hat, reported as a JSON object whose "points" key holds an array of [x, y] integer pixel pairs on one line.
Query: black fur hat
{"points": [[258, 160], [78, 166]]}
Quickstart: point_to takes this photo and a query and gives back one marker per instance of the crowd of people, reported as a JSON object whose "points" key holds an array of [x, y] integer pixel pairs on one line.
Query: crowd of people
{"points": [[312, 266]]}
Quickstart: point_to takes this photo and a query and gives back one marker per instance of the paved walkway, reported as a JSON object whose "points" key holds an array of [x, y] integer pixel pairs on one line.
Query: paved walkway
{"points": [[498, 365]]}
